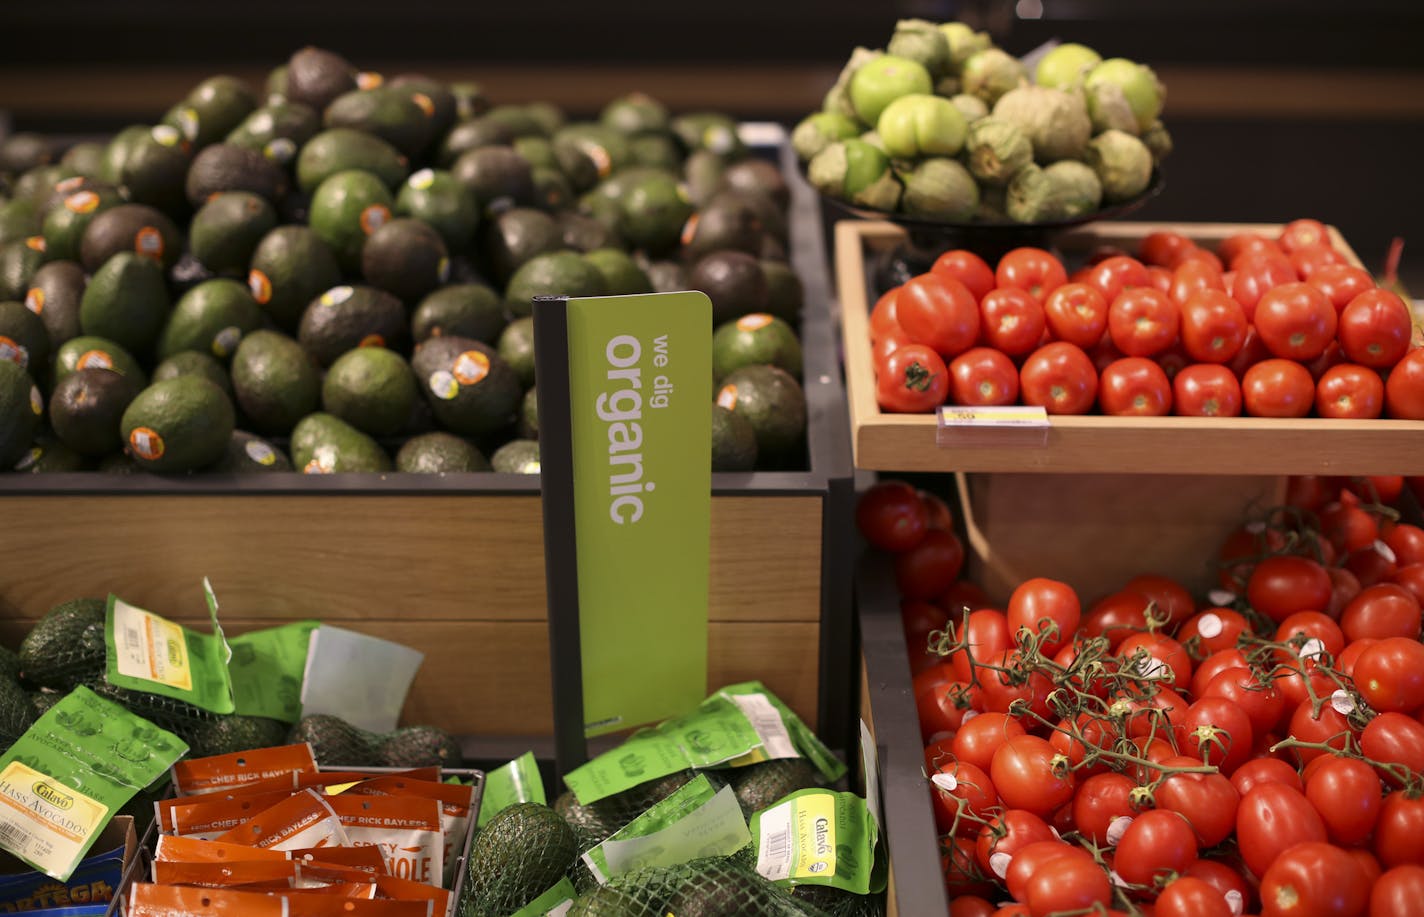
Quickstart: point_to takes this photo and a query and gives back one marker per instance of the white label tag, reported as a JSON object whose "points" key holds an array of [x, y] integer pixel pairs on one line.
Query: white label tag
{"points": [[766, 720], [714, 827], [964, 425], [775, 853], [362, 679], [150, 647], [870, 761]]}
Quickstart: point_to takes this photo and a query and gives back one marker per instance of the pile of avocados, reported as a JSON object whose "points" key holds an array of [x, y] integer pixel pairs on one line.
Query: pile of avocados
{"points": [[335, 275]]}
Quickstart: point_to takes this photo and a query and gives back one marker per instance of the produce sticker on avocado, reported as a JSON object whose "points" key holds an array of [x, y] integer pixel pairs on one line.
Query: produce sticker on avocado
{"points": [[694, 821], [739, 725], [70, 772], [819, 837], [149, 653]]}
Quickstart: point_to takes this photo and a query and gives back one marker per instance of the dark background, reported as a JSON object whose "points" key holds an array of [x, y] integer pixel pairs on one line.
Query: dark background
{"points": [[1278, 108]]}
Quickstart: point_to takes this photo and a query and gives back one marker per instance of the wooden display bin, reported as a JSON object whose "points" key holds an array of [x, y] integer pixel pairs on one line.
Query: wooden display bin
{"points": [[1094, 443], [453, 565]]}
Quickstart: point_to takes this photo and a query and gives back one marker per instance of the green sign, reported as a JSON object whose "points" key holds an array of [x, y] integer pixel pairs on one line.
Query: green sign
{"points": [[640, 395]]}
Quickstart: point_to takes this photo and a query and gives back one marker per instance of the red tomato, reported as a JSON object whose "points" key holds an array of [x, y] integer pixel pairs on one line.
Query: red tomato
{"points": [[1164, 248], [970, 906], [941, 709], [1011, 320], [1207, 801], [1143, 321], [891, 517], [1220, 661], [1406, 541], [1192, 277], [1376, 488], [1399, 833], [1031, 269], [1213, 326], [937, 510], [1201, 254], [962, 875], [941, 674], [1326, 727], [1315, 878], [1412, 579], [1404, 389], [1046, 607], [930, 567], [1117, 617], [1298, 234], [1100, 801], [1000, 690], [1227, 880], [1348, 526], [1316, 631], [1384, 610], [968, 268], [1341, 283], [1029, 859], [1113, 275], [1259, 699], [1295, 321], [1282, 585], [1348, 795], [1350, 391], [882, 347], [882, 317], [1254, 275], [1069, 738], [1135, 386], [1218, 732], [1165, 660], [980, 737], [1171, 598], [1394, 739], [955, 787], [1258, 771], [1307, 261], [1206, 390], [1004, 836], [1159, 278], [1242, 243], [1398, 891], [1271, 818], [1252, 352], [1189, 897], [1375, 328], [939, 312], [1278, 388], [1023, 771], [1155, 715], [1214, 629], [986, 635], [983, 376], [1390, 674], [1068, 884], [1060, 378], [920, 619], [1076, 313], [913, 380], [1370, 566], [1156, 843]]}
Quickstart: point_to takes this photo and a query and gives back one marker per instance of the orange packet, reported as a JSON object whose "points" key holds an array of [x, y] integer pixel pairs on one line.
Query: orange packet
{"points": [[406, 829], [272, 873], [455, 801], [300, 781], [353, 890], [195, 850], [406, 890], [212, 814], [148, 900], [302, 820], [220, 772], [366, 859]]}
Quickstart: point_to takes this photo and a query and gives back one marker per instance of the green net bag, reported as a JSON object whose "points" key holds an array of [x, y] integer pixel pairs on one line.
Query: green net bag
{"points": [[66, 647], [712, 887]]}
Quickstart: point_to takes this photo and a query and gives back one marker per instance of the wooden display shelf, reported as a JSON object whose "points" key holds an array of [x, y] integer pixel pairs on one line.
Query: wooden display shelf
{"points": [[1095, 443]]}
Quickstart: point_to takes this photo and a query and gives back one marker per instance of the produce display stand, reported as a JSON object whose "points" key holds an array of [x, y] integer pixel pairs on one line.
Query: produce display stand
{"points": [[453, 566], [1094, 443]]}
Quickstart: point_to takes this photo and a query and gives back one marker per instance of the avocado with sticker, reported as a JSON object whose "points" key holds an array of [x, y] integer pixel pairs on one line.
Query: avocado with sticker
{"points": [[178, 425], [468, 385]]}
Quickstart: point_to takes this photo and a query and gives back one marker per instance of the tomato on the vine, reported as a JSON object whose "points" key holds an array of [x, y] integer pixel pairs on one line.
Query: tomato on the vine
{"points": [[1101, 800], [930, 567], [1212, 630], [1390, 674], [1046, 607], [981, 736], [1398, 891], [966, 267], [913, 380], [959, 787], [1319, 873], [1394, 738], [1060, 378], [1327, 726], [1157, 842], [1207, 801], [1383, 610], [985, 634], [1405, 540], [1031, 269], [1258, 771], [1217, 731], [891, 516], [1067, 884], [1005, 835], [1258, 698], [1399, 833], [1117, 617], [1280, 586], [1348, 795], [1186, 896], [1024, 773], [1271, 818]]}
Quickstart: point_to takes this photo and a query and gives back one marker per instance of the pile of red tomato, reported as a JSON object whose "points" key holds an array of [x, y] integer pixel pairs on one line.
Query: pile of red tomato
{"points": [[1270, 327], [1261, 752]]}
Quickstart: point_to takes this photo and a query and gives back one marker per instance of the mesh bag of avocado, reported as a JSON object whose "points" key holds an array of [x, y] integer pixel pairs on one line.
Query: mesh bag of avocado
{"points": [[66, 646], [709, 887]]}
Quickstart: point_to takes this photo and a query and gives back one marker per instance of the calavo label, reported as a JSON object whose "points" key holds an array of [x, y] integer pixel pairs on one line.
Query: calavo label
{"points": [[819, 837], [639, 385]]}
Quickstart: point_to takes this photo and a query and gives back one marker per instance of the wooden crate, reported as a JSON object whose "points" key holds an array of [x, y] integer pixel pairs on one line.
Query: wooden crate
{"points": [[1092, 443]]}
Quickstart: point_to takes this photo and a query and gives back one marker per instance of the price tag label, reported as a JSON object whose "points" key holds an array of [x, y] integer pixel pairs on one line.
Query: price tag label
{"points": [[1011, 425]]}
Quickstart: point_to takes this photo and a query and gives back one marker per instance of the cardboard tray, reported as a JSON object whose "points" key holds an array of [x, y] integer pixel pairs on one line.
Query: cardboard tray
{"points": [[1094, 443]]}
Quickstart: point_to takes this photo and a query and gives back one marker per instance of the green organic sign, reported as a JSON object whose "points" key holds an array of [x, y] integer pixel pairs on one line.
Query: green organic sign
{"points": [[640, 389]]}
